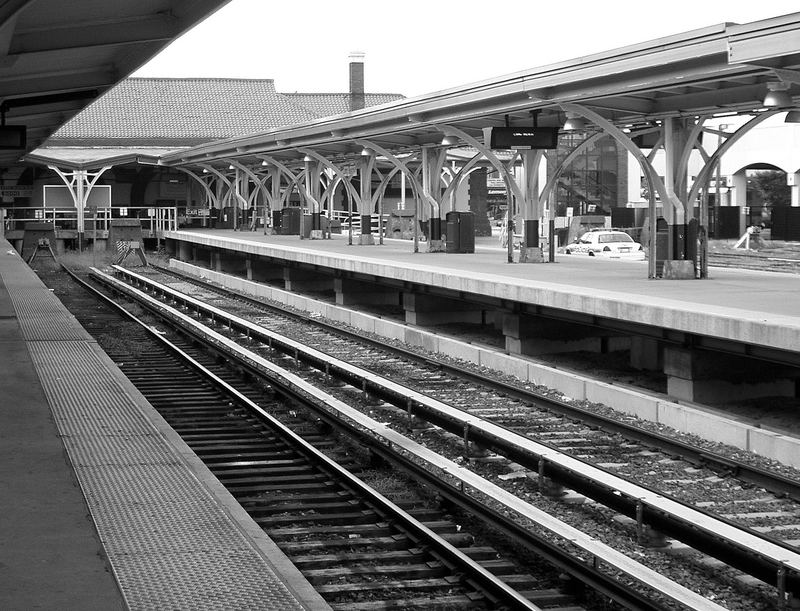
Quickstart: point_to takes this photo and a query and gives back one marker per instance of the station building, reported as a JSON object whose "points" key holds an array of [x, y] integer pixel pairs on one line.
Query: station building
{"points": [[105, 161]]}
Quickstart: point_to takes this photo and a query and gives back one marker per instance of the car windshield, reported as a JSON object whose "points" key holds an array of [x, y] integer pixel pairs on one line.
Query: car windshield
{"points": [[605, 238]]}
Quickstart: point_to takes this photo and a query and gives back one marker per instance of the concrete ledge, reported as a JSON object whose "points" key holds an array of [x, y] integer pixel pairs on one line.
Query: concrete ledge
{"points": [[570, 384], [623, 399], [705, 424], [686, 419]]}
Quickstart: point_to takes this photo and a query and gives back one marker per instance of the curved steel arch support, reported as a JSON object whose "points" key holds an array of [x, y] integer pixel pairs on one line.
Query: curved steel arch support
{"points": [[411, 175], [692, 143], [336, 170], [656, 184], [511, 184], [703, 175], [209, 193], [277, 169], [573, 154], [80, 184], [462, 173], [251, 199]]}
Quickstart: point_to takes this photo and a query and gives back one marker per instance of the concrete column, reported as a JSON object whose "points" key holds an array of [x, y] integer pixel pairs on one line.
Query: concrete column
{"points": [[185, 251], [426, 310], [531, 250], [365, 208], [793, 180], [313, 195], [737, 193], [709, 377], [349, 292], [533, 336], [216, 261], [432, 161]]}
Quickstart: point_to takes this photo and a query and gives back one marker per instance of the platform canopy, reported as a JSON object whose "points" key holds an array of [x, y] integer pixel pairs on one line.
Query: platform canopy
{"points": [[721, 69], [57, 56]]}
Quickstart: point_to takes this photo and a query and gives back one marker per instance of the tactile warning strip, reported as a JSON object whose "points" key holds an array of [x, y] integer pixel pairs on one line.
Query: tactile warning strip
{"points": [[40, 314], [170, 545]]}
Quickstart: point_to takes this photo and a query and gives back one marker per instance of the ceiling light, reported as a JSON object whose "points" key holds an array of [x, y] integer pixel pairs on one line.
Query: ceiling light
{"points": [[449, 141], [777, 96], [793, 116], [574, 122], [366, 152], [265, 163]]}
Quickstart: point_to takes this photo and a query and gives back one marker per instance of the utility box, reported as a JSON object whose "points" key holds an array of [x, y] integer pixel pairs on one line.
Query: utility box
{"points": [[662, 244], [460, 232]]}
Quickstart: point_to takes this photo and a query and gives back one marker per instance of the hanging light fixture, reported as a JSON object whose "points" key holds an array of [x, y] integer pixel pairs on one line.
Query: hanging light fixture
{"points": [[449, 140], [777, 96], [574, 122], [793, 116]]}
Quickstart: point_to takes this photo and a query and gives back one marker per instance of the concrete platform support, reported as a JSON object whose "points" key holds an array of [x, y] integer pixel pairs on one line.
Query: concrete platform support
{"points": [[231, 263], [216, 260], [306, 282], [532, 336], [646, 354], [259, 270], [350, 292], [711, 377], [185, 250], [427, 310]]}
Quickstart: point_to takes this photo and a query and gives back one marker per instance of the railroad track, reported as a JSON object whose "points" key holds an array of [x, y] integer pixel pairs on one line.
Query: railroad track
{"points": [[751, 507], [358, 549], [755, 261]]}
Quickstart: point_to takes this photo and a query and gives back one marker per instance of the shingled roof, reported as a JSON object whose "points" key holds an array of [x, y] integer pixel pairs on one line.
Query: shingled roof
{"points": [[330, 104], [188, 111]]}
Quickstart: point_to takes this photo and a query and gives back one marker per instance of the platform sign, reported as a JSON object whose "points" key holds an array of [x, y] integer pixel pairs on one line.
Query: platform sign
{"points": [[16, 191]]}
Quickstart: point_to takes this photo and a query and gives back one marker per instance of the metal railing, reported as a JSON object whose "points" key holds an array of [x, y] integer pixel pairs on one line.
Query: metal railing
{"points": [[154, 220], [379, 222]]}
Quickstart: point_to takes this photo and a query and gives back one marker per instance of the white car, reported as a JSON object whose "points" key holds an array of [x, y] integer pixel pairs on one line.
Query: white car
{"points": [[606, 243]]}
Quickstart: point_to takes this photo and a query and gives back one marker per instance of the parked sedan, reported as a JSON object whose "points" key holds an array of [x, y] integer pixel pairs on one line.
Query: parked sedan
{"points": [[606, 243]]}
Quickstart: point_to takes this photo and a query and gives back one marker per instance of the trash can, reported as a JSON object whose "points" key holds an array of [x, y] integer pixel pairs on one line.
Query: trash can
{"points": [[227, 218], [460, 232], [290, 221], [277, 216]]}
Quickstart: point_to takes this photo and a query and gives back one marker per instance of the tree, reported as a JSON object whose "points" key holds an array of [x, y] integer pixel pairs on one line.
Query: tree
{"points": [[771, 185]]}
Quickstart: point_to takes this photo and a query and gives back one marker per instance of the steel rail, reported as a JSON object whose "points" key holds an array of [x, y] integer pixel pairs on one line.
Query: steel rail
{"points": [[776, 483], [491, 584], [293, 384], [749, 551]]}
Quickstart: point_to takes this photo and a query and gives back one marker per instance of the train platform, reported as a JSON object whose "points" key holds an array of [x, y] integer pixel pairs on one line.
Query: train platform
{"points": [[103, 506], [751, 307]]}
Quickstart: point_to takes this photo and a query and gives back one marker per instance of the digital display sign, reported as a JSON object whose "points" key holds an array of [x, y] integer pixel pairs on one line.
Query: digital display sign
{"points": [[524, 138]]}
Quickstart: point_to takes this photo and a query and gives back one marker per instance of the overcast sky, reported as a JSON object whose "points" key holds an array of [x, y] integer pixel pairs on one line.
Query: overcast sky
{"points": [[414, 47]]}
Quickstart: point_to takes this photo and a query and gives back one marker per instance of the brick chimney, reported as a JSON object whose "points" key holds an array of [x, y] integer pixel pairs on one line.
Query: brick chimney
{"points": [[356, 80]]}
